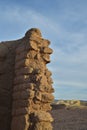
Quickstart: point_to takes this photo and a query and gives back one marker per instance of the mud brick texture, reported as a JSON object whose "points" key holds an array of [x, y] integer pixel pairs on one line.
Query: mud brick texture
{"points": [[26, 83]]}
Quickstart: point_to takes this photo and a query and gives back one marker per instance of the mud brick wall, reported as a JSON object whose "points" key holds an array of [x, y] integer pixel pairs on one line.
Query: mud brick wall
{"points": [[29, 95], [7, 60]]}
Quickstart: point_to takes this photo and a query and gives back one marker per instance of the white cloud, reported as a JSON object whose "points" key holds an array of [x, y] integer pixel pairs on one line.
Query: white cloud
{"points": [[27, 18], [71, 84], [69, 61]]}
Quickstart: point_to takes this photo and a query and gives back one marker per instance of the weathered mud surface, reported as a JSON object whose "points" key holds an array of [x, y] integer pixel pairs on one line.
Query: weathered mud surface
{"points": [[69, 119]]}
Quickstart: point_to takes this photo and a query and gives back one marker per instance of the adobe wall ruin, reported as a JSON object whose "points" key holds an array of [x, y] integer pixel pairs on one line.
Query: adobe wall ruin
{"points": [[25, 83]]}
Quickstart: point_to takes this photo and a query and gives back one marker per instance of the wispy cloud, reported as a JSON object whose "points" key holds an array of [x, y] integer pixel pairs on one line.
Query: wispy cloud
{"points": [[67, 31], [71, 84], [27, 18]]}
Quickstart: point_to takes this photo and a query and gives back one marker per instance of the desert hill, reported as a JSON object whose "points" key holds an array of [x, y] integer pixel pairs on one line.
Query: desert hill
{"points": [[69, 104]]}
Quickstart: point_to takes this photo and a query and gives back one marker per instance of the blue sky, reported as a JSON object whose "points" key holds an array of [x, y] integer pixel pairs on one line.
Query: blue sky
{"points": [[64, 23]]}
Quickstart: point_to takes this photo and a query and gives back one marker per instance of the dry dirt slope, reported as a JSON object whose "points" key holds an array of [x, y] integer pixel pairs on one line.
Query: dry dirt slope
{"points": [[69, 119]]}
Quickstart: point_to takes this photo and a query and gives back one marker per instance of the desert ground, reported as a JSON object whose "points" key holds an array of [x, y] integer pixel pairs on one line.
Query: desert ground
{"points": [[74, 118]]}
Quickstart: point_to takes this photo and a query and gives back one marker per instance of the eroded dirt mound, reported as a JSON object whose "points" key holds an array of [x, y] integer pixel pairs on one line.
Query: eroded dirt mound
{"points": [[69, 119]]}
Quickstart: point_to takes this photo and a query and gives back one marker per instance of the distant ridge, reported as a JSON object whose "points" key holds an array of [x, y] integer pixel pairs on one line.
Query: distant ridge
{"points": [[69, 103]]}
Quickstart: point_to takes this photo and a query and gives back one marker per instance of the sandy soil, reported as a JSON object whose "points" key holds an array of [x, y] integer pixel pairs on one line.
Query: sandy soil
{"points": [[69, 119]]}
